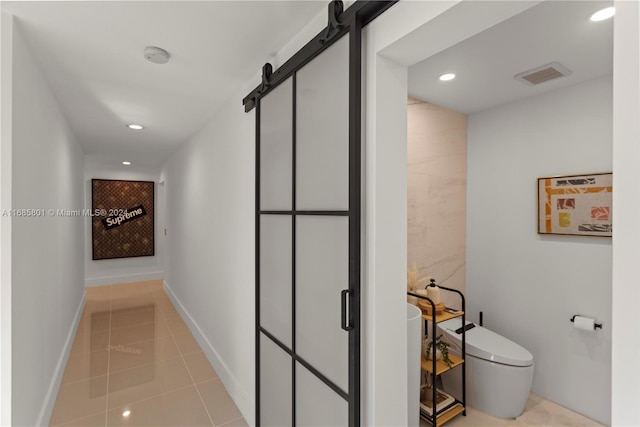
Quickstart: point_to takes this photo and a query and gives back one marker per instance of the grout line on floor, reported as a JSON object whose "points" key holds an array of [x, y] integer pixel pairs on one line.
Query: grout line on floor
{"points": [[119, 371], [76, 419], [135, 402], [233, 421], [198, 391], [193, 381], [134, 324], [83, 379], [106, 404]]}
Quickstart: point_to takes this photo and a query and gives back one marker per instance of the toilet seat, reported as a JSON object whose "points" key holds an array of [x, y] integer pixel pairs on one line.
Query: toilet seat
{"points": [[485, 344]]}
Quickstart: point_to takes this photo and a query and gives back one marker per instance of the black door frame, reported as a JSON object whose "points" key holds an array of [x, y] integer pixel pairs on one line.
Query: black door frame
{"points": [[340, 23]]}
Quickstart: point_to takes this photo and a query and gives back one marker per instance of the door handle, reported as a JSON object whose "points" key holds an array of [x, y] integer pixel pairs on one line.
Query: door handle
{"points": [[347, 322]]}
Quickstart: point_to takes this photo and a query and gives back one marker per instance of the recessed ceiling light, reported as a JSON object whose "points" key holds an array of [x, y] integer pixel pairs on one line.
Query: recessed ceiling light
{"points": [[135, 127], [447, 77], [603, 14], [126, 413], [126, 163]]}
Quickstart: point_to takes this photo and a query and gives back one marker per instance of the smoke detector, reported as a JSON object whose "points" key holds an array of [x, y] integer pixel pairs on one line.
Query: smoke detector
{"points": [[543, 74], [156, 55]]}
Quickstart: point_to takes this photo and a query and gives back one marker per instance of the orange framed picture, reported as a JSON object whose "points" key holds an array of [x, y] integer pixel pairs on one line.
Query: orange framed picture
{"points": [[578, 205]]}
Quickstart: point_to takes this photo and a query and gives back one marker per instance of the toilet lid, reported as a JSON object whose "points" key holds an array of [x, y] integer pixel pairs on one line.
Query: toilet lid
{"points": [[485, 344]]}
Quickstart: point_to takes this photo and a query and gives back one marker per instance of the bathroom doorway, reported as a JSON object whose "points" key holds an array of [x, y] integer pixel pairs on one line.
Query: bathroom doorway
{"points": [[531, 97]]}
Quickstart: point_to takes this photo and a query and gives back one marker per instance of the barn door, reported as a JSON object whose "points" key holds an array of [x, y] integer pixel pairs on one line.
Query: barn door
{"points": [[308, 207]]}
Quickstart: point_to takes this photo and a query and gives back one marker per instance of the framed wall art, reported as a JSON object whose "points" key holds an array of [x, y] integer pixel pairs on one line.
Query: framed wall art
{"points": [[578, 205], [122, 222]]}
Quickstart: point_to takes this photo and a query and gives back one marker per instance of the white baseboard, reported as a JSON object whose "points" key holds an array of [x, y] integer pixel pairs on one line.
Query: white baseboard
{"points": [[54, 386], [123, 278], [243, 400]]}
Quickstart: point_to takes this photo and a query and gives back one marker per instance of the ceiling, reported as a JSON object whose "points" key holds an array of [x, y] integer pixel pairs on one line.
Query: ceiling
{"points": [[91, 53], [552, 31]]}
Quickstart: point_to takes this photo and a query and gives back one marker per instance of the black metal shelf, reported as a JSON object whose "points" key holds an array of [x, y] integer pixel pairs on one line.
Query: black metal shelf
{"points": [[458, 406]]}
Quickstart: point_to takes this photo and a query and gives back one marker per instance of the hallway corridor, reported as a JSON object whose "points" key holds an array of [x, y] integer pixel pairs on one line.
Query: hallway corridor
{"points": [[134, 362]]}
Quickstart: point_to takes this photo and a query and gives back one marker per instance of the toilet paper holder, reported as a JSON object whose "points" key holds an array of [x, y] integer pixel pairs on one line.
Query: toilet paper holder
{"points": [[595, 325]]}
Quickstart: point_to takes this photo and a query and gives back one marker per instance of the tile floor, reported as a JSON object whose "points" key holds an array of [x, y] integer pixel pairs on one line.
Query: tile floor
{"points": [[538, 412], [135, 363]]}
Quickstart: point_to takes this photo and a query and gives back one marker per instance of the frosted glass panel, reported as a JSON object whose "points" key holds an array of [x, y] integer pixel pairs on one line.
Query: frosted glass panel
{"points": [[316, 403], [275, 276], [322, 271], [276, 122], [275, 385], [322, 126]]}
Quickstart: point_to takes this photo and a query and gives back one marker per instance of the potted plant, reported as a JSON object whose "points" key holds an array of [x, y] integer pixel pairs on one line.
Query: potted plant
{"points": [[442, 350]]}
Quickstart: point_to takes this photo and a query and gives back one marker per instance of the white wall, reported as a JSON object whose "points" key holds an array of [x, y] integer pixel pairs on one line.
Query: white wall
{"points": [[529, 285], [626, 207], [6, 98], [110, 271], [210, 224], [47, 252]]}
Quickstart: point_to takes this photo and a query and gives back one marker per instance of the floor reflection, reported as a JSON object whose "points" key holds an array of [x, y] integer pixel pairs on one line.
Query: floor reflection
{"points": [[134, 362]]}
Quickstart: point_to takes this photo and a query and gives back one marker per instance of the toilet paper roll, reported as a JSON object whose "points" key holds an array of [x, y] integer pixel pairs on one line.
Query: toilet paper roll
{"points": [[584, 323]]}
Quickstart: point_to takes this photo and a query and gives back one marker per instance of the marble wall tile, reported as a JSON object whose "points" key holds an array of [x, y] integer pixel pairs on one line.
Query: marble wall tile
{"points": [[437, 185]]}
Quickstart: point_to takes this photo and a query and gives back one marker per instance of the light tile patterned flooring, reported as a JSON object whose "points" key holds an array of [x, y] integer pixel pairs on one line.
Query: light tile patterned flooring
{"points": [[134, 362], [133, 352], [538, 412]]}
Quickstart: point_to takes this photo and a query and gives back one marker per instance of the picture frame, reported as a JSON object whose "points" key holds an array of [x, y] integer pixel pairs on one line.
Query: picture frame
{"points": [[122, 219], [576, 205]]}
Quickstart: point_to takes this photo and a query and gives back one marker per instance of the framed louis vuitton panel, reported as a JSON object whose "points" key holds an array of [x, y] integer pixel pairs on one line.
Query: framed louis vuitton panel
{"points": [[122, 224]]}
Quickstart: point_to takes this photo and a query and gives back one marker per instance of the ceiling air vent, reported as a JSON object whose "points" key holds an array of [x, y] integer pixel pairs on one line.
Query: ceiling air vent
{"points": [[543, 74]]}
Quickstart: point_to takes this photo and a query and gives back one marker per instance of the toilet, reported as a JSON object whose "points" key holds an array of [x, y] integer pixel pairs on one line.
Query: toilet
{"points": [[499, 372]]}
